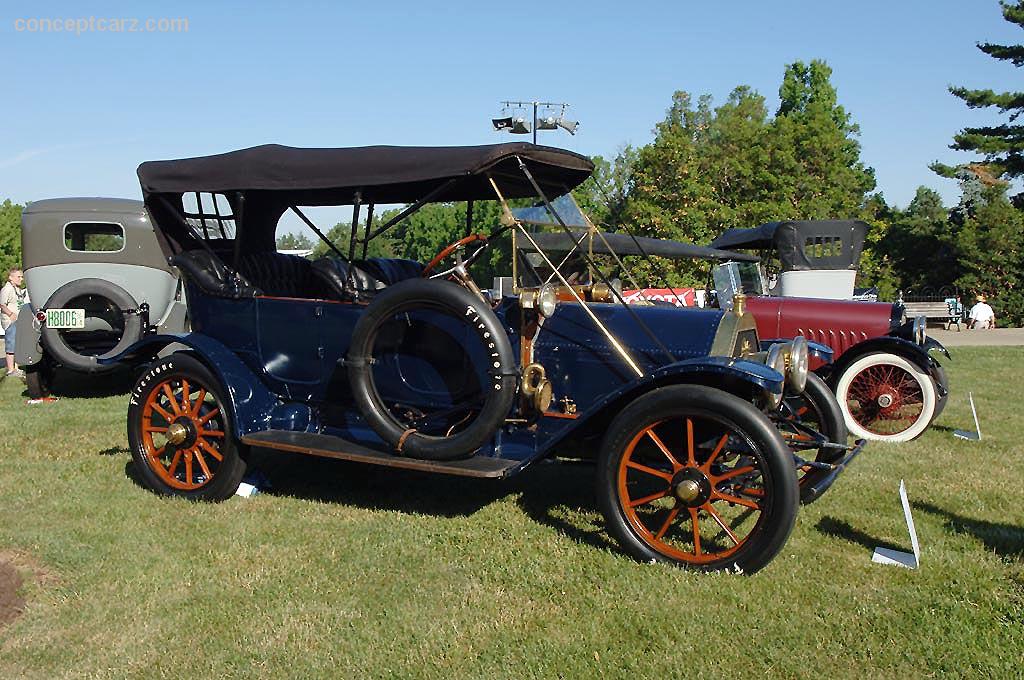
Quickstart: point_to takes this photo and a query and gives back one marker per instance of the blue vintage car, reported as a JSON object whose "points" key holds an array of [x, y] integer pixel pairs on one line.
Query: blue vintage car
{"points": [[397, 363]]}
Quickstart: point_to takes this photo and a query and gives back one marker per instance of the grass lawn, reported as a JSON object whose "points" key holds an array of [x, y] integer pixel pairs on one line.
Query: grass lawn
{"points": [[353, 571]]}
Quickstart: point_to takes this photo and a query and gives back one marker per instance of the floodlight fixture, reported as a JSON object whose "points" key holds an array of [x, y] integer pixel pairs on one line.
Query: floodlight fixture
{"points": [[514, 120], [547, 123], [567, 125], [520, 126]]}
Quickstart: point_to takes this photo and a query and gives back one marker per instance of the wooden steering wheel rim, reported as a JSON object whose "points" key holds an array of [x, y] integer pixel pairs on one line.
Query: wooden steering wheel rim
{"points": [[451, 249]]}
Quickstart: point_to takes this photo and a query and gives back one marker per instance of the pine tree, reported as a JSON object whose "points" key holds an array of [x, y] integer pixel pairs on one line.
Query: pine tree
{"points": [[1002, 146]]}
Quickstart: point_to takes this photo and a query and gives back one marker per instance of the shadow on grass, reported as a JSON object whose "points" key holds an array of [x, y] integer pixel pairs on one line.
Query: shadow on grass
{"points": [[837, 528], [113, 451], [68, 383], [1006, 540], [559, 495], [547, 492]]}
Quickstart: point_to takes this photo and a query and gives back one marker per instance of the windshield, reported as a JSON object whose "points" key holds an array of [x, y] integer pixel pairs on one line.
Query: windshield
{"points": [[737, 277]]}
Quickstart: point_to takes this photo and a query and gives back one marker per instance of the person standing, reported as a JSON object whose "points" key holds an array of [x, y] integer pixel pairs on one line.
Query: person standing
{"points": [[12, 296], [982, 315]]}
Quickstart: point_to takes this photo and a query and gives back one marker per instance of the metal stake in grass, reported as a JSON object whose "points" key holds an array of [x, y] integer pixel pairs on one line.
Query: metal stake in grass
{"points": [[898, 558], [964, 434]]}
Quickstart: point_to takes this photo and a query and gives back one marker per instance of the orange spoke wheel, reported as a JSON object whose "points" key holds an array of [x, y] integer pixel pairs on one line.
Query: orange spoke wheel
{"points": [[817, 409], [699, 478], [180, 432]]}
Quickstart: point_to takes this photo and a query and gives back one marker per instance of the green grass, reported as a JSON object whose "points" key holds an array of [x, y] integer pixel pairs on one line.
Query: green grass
{"points": [[352, 571]]}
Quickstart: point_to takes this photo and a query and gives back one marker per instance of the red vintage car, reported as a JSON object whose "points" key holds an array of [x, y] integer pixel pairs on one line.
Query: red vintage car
{"points": [[886, 379]]}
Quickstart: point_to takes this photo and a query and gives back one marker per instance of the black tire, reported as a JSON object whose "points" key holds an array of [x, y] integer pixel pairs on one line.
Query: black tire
{"points": [[109, 296], [938, 374], [725, 429], [817, 408], [37, 381], [448, 298], [157, 457]]}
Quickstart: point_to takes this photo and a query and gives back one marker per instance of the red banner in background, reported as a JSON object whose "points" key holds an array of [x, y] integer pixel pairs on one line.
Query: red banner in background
{"points": [[680, 297]]}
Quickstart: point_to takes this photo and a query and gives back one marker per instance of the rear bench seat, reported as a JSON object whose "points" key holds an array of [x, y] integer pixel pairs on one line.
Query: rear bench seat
{"points": [[362, 278], [280, 275]]}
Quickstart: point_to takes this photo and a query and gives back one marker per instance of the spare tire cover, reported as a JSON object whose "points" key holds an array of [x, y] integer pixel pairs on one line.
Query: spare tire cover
{"points": [[62, 345], [453, 300]]}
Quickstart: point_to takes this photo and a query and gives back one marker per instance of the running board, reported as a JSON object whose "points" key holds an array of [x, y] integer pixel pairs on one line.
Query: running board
{"points": [[330, 446]]}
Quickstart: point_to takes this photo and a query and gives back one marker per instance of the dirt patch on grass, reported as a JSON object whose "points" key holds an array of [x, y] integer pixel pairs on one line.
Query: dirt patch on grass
{"points": [[12, 603], [14, 567]]}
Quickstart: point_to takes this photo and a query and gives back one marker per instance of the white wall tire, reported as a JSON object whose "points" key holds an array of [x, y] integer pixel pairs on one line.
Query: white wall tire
{"points": [[886, 398]]}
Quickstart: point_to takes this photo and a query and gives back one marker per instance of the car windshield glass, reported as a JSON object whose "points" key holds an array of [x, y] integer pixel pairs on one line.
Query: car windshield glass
{"points": [[737, 277], [564, 206]]}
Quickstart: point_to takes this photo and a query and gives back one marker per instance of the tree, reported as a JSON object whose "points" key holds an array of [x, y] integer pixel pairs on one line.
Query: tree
{"points": [[604, 195], [709, 169], [1002, 146], [990, 253], [294, 241], [921, 244], [817, 165], [10, 236]]}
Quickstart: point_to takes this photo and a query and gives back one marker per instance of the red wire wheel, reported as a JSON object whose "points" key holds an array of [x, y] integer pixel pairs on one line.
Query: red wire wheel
{"points": [[180, 432], [697, 477], [886, 398]]}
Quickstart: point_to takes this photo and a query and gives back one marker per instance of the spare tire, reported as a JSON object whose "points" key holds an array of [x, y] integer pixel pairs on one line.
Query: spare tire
{"points": [[112, 324], [415, 296]]}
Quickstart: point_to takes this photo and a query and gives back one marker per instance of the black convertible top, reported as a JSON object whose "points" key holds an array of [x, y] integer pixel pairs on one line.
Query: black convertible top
{"points": [[803, 244], [382, 174], [624, 244]]}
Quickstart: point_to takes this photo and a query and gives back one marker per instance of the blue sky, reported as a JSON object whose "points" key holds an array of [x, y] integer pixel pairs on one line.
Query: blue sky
{"points": [[83, 111]]}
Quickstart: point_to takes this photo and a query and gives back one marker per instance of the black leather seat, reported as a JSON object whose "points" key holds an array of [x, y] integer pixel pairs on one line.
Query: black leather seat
{"points": [[205, 270], [281, 275], [362, 278]]}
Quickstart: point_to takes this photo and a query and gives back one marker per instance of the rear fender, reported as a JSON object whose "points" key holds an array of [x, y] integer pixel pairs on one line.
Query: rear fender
{"points": [[28, 350], [743, 378], [910, 351], [251, 404]]}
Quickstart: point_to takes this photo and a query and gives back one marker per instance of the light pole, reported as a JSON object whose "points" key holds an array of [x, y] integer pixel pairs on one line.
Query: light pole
{"points": [[518, 125]]}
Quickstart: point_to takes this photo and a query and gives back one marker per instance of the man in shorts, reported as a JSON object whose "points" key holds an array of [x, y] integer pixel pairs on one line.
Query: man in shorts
{"points": [[12, 297]]}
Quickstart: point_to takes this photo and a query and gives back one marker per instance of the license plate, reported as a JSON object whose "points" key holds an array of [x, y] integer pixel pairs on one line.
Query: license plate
{"points": [[65, 318]]}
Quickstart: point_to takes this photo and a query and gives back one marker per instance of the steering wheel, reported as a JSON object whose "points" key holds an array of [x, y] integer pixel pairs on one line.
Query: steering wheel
{"points": [[456, 249]]}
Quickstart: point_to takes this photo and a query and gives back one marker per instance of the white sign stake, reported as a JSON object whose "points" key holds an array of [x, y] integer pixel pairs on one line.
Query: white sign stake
{"points": [[973, 436], [896, 557]]}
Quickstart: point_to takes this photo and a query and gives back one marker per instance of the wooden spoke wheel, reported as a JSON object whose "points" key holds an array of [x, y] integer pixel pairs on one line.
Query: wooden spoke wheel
{"points": [[699, 478], [180, 432], [816, 408], [886, 398]]}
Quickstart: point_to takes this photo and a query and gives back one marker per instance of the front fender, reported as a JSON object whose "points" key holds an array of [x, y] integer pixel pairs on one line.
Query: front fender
{"points": [[741, 377], [251, 404], [815, 350], [910, 351], [931, 344]]}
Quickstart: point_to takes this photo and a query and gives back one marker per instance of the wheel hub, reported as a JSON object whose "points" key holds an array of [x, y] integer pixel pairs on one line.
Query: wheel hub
{"points": [[691, 487], [885, 400], [176, 433]]}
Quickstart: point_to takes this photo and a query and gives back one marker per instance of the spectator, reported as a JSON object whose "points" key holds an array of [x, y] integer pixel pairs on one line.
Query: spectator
{"points": [[982, 316], [12, 296]]}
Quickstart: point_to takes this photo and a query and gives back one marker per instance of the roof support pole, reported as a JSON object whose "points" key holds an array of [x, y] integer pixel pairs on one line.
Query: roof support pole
{"points": [[354, 231]]}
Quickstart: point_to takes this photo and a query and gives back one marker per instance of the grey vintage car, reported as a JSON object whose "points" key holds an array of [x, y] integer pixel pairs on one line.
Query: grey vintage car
{"points": [[98, 280]]}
